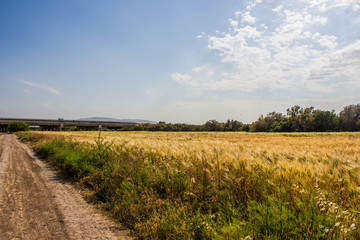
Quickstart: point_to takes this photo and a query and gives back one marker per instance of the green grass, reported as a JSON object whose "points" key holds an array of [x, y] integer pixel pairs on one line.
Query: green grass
{"points": [[68, 156]]}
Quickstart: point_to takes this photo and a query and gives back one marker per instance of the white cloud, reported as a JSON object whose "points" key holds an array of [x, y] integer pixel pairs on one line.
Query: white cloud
{"points": [[248, 18], [319, 20], [47, 88], [328, 41], [201, 35], [326, 5], [197, 69], [29, 83], [278, 8], [180, 78], [296, 49], [52, 90], [341, 68], [233, 22], [184, 79], [253, 4]]}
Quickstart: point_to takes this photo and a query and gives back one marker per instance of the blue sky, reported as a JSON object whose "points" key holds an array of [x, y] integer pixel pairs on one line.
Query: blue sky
{"points": [[177, 61]]}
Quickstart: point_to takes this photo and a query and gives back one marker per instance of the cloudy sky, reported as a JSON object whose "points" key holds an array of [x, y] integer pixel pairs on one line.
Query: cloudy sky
{"points": [[177, 61]]}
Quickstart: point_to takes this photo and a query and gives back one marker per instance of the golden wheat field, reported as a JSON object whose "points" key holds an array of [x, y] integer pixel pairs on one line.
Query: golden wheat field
{"points": [[292, 170], [319, 153]]}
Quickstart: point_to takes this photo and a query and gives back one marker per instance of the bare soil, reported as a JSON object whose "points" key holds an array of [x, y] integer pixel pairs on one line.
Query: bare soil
{"points": [[36, 204]]}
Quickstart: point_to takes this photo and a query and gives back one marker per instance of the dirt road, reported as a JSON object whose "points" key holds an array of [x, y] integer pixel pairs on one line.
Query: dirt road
{"points": [[36, 204]]}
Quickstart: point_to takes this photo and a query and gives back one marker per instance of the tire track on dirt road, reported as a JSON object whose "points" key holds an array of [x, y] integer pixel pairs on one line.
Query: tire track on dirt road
{"points": [[36, 204]]}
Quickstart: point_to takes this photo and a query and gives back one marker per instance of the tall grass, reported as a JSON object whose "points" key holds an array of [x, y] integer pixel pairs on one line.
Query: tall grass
{"points": [[217, 186]]}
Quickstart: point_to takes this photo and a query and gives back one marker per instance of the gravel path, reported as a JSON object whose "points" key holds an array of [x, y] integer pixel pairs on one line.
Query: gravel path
{"points": [[36, 204]]}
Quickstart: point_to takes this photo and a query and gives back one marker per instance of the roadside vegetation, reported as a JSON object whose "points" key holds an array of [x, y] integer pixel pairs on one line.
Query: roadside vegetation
{"points": [[216, 185], [17, 127]]}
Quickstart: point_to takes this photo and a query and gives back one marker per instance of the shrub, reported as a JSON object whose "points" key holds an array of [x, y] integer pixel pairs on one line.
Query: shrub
{"points": [[18, 126]]}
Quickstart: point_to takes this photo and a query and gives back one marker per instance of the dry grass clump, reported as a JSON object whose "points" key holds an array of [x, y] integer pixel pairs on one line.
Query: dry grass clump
{"points": [[219, 185]]}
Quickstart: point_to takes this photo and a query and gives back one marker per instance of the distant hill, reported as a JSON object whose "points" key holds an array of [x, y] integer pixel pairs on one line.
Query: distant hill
{"points": [[106, 119]]}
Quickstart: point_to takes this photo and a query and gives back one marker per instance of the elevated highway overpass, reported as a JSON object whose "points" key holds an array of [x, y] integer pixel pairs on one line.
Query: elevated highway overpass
{"points": [[61, 124]]}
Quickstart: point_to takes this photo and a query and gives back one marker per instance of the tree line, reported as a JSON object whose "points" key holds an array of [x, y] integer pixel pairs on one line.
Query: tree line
{"points": [[296, 119]]}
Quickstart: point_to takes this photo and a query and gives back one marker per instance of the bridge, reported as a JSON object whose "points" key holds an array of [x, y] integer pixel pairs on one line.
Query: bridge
{"points": [[61, 124]]}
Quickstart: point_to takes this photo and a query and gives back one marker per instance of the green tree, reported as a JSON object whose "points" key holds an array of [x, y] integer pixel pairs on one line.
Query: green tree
{"points": [[213, 125], [267, 123], [259, 125], [300, 118], [293, 114], [245, 127], [349, 118], [285, 125], [325, 121], [233, 125], [18, 126], [306, 119], [294, 111]]}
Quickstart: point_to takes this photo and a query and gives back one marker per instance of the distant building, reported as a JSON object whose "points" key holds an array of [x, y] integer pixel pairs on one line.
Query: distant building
{"points": [[162, 122]]}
